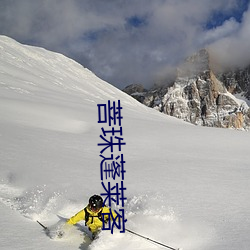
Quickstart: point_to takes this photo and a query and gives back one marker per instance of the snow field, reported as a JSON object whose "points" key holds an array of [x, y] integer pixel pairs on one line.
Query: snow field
{"points": [[186, 186]]}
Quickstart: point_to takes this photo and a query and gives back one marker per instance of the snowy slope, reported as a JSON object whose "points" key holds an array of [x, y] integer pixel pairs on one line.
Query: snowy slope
{"points": [[187, 186]]}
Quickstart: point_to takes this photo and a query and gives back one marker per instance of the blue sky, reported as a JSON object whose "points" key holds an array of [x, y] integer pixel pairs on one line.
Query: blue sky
{"points": [[131, 41], [218, 17]]}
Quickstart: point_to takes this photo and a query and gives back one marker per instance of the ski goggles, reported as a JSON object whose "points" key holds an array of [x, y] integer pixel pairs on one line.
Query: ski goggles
{"points": [[94, 208]]}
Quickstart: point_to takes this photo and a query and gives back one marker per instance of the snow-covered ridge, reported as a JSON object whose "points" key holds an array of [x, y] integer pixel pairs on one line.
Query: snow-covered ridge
{"points": [[33, 74], [34, 66]]}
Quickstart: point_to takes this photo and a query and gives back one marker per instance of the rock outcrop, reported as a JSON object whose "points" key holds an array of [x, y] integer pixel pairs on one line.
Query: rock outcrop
{"points": [[199, 96]]}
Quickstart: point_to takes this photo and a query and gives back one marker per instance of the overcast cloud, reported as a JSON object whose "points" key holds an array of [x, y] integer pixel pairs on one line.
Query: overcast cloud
{"points": [[131, 41]]}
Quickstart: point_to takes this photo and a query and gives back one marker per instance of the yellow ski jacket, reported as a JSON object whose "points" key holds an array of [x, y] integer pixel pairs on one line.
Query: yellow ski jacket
{"points": [[93, 222]]}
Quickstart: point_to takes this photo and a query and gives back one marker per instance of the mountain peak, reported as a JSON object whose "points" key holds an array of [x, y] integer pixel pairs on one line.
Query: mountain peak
{"points": [[200, 96], [197, 64]]}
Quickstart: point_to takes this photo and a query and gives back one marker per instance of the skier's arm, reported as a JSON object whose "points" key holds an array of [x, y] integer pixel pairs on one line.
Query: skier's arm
{"points": [[77, 217], [107, 210]]}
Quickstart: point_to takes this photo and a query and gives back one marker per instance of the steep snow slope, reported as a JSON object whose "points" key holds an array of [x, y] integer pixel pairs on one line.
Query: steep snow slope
{"points": [[186, 186]]}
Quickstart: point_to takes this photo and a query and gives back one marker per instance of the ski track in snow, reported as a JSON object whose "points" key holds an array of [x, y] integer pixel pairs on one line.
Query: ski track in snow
{"points": [[32, 204], [146, 214]]}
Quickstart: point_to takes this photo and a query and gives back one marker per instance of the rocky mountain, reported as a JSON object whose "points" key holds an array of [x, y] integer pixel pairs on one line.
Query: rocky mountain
{"points": [[200, 96], [237, 81]]}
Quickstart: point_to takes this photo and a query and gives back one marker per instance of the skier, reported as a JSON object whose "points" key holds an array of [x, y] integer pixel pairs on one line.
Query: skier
{"points": [[93, 214]]}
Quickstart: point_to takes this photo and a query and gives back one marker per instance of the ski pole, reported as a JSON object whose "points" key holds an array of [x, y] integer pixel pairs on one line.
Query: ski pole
{"points": [[45, 228], [152, 240]]}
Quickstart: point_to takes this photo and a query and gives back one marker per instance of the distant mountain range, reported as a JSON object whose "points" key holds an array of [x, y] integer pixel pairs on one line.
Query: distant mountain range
{"points": [[201, 94]]}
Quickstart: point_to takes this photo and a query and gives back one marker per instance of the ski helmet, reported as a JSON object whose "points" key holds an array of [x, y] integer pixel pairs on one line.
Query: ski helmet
{"points": [[95, 202]]}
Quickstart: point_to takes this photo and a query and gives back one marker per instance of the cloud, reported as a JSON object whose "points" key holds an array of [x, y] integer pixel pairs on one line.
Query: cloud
{"points": [[232, 50], [228, 28], [124, 42]]}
